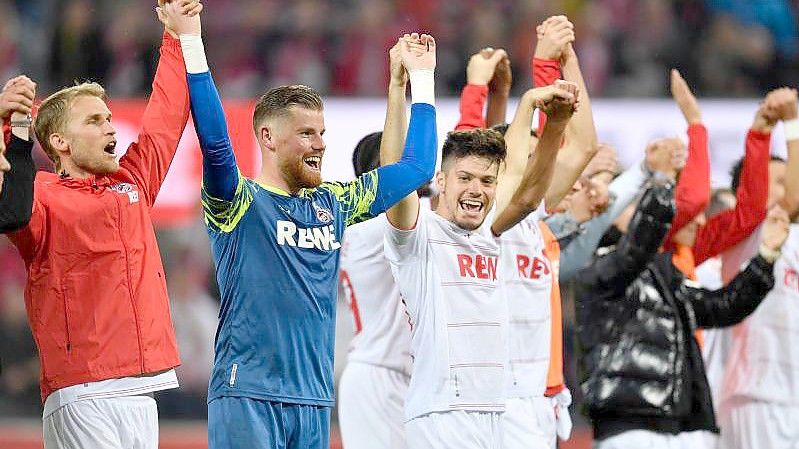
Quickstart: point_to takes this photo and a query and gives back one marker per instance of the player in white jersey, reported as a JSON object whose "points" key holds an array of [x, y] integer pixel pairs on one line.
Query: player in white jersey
{"points": [[445, 264], [760, 395], [374, 383]]}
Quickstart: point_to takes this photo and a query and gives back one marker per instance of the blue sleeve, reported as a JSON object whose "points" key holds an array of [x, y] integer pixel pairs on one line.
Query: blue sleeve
{"points": [[418, 162], [220, 174]]}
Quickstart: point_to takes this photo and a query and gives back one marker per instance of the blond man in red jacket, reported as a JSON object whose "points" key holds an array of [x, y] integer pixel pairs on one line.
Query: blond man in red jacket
{"points": [[96, 295]]}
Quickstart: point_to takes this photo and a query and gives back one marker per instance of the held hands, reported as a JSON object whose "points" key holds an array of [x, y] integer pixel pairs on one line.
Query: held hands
{"points": [[17, 96], [558, 101], [775, 229], [555, 35], [398, 73], [180, 16], [667, 156], [503, 77], [483, 65], [418, 52], [782, 102], [685, 98]]}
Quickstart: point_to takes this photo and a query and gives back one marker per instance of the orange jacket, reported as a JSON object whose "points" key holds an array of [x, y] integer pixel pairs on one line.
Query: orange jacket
{"points": [[96, 294], [555, 381]]}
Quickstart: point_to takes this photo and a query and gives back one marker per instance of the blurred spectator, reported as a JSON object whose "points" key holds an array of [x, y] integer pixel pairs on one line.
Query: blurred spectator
{"points": [[724, 47]]}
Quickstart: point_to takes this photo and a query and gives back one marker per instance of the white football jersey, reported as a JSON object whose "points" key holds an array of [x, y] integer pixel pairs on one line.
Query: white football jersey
{"points": [[525, 277], [448, 277], [764, 360], [382, 330]]}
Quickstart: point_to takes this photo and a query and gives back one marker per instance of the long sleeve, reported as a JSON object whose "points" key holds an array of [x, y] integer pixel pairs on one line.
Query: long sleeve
{"points": [[220, 173], [693, 187], [731, 304], [726, 229], [610, 275], [163, 122], [545, 72], [16, 199], [580, 250], [473, 100]]}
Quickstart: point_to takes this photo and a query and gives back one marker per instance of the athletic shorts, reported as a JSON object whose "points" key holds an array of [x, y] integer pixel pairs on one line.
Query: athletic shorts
{"points": [[529, 423], [245, 423], [457, 429], [127, 422], [371, 403]]}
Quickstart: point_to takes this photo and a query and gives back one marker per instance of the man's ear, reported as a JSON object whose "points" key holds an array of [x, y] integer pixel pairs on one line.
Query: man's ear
{"points": [[267, 136], [60, 144], [440, 181]]}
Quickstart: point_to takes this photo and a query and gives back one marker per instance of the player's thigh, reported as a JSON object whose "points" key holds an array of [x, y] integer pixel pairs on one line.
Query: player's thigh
{"points": [[456, 430], [244, 423], [521, 425], [103, 424], [371, 403], [309, 426]]}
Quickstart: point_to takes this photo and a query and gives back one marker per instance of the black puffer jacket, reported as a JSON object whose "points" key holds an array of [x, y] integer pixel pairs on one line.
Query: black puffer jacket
{"points": [[641, 367]]}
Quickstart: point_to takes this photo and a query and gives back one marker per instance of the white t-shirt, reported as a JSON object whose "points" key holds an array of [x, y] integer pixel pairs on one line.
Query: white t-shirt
{"points": [[764, 360], [382, 330], [716, 342], [525, 277], [448, 278], [110, 388]]}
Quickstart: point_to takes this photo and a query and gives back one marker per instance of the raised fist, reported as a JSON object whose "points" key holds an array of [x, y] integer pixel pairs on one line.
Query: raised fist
{"points": [[418, 52], [180, 16], [17, 96], [558, 101], [775, 228], [554, 35]]}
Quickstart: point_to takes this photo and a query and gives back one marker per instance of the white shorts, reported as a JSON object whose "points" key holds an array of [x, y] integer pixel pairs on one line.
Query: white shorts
{"points": [[457, 429], [640, 439], [752, 424], [371, 402], [129, 422], [529, 423], [698, 439]]}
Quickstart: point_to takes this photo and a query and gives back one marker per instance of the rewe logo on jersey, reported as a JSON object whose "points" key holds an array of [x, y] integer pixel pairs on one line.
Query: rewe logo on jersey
{"points": [[791, 278], [478, 266], [321, 238], [531, 267]]}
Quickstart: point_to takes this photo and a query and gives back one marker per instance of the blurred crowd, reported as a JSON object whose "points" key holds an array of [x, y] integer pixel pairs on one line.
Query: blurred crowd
{"points": [[722, 47]]}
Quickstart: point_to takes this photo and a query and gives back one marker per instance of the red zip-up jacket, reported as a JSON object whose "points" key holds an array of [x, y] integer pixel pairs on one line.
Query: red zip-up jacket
{"points": [[96, 295]]}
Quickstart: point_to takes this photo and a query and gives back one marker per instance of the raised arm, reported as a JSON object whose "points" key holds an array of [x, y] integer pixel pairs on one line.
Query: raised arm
{"points": [[727, 228], [220, 174], [16, 186], [498, 92], [559, 102], [553, 35], [785, 105], [693, 187], [731, 304], [165, 116], [612, 273], [398, 180], [479, 74], [581, 140]]}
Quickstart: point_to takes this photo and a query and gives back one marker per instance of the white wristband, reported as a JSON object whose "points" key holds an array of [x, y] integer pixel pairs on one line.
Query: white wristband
{"points": [[791, 129], [193, 53], [422, 86]]}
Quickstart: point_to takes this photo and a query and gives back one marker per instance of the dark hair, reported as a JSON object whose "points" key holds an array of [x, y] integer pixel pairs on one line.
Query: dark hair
{"points": [[717, 203], [502, 128], [478, 142], [366, 156], [735, 172], [277, 101]]}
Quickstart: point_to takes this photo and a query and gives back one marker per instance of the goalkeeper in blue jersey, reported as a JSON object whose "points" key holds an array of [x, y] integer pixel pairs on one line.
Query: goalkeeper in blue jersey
{"points": [[275, 242]]}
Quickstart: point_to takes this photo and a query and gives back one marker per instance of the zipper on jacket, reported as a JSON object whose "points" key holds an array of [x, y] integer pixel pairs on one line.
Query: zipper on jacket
{"points": [[127, 282], [66, 319]]}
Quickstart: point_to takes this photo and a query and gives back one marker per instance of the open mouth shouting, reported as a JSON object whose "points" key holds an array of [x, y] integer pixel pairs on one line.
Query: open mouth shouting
{"points": [[313, 162], [110, 149], [471, 206]]}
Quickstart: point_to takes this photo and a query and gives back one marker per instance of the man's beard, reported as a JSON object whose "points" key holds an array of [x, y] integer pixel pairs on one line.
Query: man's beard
{"points": [[299, 177]]}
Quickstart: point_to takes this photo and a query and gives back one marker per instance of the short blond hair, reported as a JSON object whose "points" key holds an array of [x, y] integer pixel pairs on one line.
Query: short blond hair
{"points": [[53, 115]]}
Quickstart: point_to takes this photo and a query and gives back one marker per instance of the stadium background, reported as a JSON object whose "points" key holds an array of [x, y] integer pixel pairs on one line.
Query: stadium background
{"points": [[730, 50]]}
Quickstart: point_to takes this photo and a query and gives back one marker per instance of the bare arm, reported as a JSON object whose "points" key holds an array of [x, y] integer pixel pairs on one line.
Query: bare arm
{"points": [[581, 140], [498, 92]]}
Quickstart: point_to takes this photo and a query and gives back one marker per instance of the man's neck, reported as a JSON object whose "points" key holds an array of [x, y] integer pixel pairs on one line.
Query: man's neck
{"points": [[275, 181]]}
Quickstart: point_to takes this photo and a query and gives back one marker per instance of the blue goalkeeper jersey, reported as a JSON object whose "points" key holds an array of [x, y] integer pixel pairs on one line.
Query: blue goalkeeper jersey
{"points": [[277, 262], [276, 257]]}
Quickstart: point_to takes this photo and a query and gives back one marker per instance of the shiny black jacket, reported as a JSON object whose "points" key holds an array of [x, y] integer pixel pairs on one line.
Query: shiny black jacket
{"points": [[641, 367]]}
